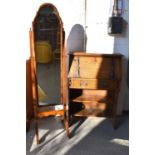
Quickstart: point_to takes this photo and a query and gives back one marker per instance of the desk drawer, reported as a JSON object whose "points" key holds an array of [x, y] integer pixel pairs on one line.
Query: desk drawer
{"points": [[81, 83]]}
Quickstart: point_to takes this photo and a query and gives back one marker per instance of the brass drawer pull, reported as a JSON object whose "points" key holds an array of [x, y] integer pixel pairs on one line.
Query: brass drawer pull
{"points": [[70, 82], [83, 83]]}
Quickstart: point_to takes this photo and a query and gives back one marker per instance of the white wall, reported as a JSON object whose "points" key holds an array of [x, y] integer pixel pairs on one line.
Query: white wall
{"points": [[72, 13], [121, 45], [96, 22]]}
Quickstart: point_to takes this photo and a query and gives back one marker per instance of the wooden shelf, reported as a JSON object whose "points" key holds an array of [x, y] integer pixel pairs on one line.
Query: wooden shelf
{"points": [[89, 98], [91, 112], [50, 113]]}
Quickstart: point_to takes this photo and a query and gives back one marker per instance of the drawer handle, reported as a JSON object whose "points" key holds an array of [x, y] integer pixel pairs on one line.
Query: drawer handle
{"points": [[83, 83], [70, 82]]}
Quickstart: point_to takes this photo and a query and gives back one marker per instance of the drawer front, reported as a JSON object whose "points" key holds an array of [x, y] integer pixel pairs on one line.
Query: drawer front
{"points": [[80, 83]]}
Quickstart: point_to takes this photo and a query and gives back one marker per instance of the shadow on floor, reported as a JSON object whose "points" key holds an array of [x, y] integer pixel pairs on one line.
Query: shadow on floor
{"points": [[103, 139], [94, 136]]}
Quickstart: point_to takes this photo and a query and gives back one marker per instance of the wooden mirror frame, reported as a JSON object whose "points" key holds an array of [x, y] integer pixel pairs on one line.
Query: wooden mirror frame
{"points": [[62, 70]]}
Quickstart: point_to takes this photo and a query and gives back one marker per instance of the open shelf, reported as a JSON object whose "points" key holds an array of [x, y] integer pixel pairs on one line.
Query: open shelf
{"points": [[89, 98], [91, 112]]}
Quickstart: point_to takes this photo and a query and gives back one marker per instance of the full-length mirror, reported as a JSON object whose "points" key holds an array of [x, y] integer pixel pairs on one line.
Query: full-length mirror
{"points": [[48, 47]]}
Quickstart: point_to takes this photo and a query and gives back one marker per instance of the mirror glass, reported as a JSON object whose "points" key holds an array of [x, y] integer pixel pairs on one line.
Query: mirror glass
{"points": [[47, 52]]}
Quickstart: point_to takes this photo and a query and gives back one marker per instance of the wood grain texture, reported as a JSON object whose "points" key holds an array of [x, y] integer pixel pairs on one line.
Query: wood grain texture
{"points": [[89, 98], [98, 83], [93, 66], [94, 83], [91, 112], [50, 113], [29, 110]]}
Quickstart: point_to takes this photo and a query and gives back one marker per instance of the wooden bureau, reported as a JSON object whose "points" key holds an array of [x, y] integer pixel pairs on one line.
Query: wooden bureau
{"points": [[94, 84]]}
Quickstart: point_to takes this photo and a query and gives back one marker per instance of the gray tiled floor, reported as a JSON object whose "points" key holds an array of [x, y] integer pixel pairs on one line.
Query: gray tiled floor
{"points": [[91, 136]]}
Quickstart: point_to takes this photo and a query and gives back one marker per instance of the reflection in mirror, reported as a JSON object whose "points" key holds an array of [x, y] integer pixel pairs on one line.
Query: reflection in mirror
{"points": [[47, 53]]}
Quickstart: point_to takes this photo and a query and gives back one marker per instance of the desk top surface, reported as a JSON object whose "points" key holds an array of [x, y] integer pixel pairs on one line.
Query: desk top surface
{"points": [[80, 53]]}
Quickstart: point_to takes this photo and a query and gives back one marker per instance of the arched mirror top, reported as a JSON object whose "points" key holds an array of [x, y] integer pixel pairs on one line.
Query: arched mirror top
{"points": [[50, 11]]}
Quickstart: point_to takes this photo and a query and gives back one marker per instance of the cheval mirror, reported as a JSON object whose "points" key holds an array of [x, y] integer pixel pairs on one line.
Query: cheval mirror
{"points": [[48, 65]]}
